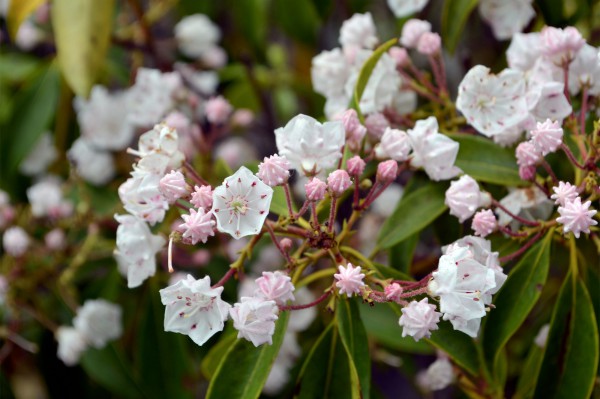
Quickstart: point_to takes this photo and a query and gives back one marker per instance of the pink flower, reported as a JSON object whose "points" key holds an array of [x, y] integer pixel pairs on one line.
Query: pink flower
{"points": [[419, 319], [527, 173], [429, 43], [484, 223], [400, 55], [412, 31], [394, 144], [355, 166], [575, 217], [55, 239], [563, 193], [254, 318], [387, 171], [173, 186], [198, 226], [376, 124], [274, 170], [547, 136], [349, 279], [315, 189], [527, 154], [393, 292], [355, 131], [338, 181], [561, 45], [202, 197], [275, 286], [217, 110]]}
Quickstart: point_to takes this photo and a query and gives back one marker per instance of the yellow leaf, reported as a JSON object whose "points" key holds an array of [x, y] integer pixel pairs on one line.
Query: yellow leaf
{"points": [[18, 11], [82, 31]]}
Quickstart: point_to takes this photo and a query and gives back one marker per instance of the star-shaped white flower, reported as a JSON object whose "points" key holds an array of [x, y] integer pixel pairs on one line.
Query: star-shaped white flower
{"points": [[506, 17], [241, 204]]}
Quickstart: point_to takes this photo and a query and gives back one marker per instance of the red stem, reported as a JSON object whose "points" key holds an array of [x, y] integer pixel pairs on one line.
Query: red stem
{"points": [[518, 218], [195, 176], [521, 250], [308, 305], [276, 242], [288, 199], [332, 211], [225, 277]]}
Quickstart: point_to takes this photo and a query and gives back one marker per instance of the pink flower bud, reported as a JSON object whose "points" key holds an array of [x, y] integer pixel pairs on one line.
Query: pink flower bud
{"points": [[429, 43], [527, 154], [202, 197], [214, 57], [484, 223], [173, 186], [355, 131], [55, 239], [376, 124], [393, 292], [15, 241], [242, 117], [275, 286], [547, 136], [387, 171], [576, 217], [349, 279], [412, 31], [400, 55], [285, 244], [338, 181], [217, 110], [560, 45], [355, 166], [527, 173], [201, 257], [274, 170], [315, 189]]}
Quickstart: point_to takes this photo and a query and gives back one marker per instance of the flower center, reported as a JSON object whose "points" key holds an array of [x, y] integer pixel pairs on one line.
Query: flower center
{"points": [[239, 205]]}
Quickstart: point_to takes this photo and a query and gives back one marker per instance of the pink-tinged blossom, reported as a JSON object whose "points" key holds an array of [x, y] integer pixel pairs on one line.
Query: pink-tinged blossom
{"points": [[236, 151], [400, 55], [136, 249], [492, 103], [576, 217], [196, 35], [387, 171], [99, 321], [527, 154], [202, 197], [439, 375], [315, 189], [71, 345], [152, 96], [529, 203], [547, 136], [310, 146], [419, 319], [393, 292], [173, 186], [197, 226], [141, 197], [527, 173], [355, 166], [358, 32], [403, 8], [159, 150], [394, 144], [241, 204], [434, 152], [506, 17], [376, 124], [275, 286], [564, 193], [217, 110], [254, 318], [55, 239], [524, 51], [429, 43], [338, 181], [349, 279], [355, 131], [15, 241], [584, 71], [286, 243], [47, 200], [412, 31], [484, 223], [560, 45], [274, 170], [195, 309], [242, 117], [464, 197], [329, 72]]}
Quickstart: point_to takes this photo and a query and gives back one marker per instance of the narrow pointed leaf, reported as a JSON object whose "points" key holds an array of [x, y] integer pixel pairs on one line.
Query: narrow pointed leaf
{"points": [[459, 346], [454, 17]]}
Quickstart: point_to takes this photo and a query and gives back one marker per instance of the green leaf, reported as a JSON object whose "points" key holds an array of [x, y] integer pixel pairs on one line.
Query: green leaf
{"points": [[459, 346], [34, 110], [571, 357], [303, 24], [327, 372], [388, 272], [515, 299], [18, 11], [278, 203], [17, 67], [366, 71], [108, 368], [381, 323], [245, 368], [401, 254], [211, 361], [354, 338], [486, 161], [414, 212], [82, 34], [161, 356], [529, 373], [454, 17]]}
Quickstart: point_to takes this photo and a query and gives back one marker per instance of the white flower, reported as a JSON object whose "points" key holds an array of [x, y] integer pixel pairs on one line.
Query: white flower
{"points": [[529, 203], [275, 286], [46, 199], [492, 103], [585, 71], [419, 319], [403, 8], [151, 97], [136, 249], [309, 145], [160, 145], [506, 17], [563, 193], [92, 164], [71, 345], [29, 35], [464, 197], [98, 321], [439, 374], [386, 202], [196, 35], [15, 241], [433, 151], [358, 32], [254, 318], [524, 51], [329, 72], [141, 197], [103, 119], [241, 204], [40, 157], [194, 308]]}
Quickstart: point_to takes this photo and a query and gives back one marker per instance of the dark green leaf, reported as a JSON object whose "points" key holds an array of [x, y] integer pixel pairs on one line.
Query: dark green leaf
{"points": [[354, 338], [401, 254], [302, 24], [245, 368], [571, 357], [388, 272], [486, 161], [515, 299], [211, 361], [459, 346], [454, 17], [414, 212], [529, 373]]}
